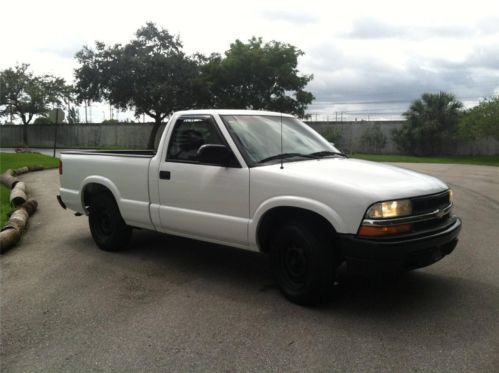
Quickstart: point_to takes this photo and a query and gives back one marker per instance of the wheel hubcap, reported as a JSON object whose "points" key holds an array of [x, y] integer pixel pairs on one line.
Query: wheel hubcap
{"points": [[295, 263]]}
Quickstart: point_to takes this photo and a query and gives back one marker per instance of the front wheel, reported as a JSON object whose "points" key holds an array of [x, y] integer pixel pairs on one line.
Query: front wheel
{"points": [[109, 230], [303, 262]]}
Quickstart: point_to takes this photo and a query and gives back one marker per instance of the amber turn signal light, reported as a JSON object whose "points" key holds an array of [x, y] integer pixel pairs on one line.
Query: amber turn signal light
{"points": [[373, 230]]}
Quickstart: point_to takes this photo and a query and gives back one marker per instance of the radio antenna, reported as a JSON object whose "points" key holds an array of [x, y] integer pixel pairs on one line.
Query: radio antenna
{"points": [[282, 166]]}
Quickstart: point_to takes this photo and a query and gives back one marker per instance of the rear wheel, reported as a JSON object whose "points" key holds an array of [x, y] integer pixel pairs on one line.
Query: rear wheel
{"points": [[303, 262], [109, 230]]}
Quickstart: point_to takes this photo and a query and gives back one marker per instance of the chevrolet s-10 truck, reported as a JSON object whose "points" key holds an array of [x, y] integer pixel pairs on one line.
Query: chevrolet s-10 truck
{"points": [[266, 182]]}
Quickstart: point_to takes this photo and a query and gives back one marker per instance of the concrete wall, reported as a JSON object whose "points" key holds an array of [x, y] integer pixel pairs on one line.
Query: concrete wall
{"points": [[351, 133], [135, 136]]}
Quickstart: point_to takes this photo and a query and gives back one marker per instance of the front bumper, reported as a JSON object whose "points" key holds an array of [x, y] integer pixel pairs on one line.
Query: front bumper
{"points": [[400, 253]]}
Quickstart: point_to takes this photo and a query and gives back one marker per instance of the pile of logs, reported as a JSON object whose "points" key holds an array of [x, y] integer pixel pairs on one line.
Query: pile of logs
{"points": [[24, 207]]}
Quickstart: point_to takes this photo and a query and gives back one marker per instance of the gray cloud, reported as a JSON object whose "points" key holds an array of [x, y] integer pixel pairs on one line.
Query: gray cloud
{"points": [[371, 28], [366, 85]]}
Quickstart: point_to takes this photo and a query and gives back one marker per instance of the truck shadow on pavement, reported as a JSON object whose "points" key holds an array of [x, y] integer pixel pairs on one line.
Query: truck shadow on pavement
{"points": [[182, 260], [416, 306]]}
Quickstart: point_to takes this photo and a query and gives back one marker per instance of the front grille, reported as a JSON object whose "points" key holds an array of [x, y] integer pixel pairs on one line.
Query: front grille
{"points": [[431, 224], [425, 204]]}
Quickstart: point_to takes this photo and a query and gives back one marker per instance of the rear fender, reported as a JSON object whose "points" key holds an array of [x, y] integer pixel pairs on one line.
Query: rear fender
{"points": [[101, 181]]}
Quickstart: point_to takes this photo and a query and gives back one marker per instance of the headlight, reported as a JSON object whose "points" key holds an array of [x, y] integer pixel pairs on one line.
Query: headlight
{"points": [[390, 209], [451, 196]]}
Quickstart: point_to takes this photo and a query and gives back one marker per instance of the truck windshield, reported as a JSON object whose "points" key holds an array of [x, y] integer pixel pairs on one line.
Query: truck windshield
{"points": [[259, 139]]}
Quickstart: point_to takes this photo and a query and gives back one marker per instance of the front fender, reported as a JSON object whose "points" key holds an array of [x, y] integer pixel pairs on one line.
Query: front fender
{"points": [[292, 201]]}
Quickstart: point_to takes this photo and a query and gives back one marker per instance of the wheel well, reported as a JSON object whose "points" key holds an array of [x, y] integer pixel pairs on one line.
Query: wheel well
{"points": [[281, 215], [91, 190]]}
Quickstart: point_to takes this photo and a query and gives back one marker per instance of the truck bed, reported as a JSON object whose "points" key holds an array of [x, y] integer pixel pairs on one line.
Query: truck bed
{"points": [[125, 173]]}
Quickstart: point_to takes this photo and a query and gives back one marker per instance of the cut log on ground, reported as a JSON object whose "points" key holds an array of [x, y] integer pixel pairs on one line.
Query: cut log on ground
{"points": [[12, 231], [18, 194], [9, 179], [9, 237], [21, 170], [30, 206], [10, 234], [36, 168], [26, 169]]}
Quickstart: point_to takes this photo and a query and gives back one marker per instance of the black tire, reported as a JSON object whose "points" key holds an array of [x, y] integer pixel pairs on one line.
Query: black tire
{"points": [[303, 262], [108, 228]]}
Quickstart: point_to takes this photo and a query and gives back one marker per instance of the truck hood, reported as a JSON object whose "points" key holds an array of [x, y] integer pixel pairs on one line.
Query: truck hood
{"points": [[371, 179]]}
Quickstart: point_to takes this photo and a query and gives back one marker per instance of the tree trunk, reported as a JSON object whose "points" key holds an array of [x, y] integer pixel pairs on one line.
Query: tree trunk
{"points": [[25, 134], [154, 132]]}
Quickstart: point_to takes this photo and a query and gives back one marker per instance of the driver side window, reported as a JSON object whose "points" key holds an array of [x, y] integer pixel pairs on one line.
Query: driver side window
{"points": [[189, 135]]}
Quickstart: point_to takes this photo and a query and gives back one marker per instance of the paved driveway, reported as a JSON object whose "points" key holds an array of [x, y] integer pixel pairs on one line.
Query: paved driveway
{"points": [[174, 304]]}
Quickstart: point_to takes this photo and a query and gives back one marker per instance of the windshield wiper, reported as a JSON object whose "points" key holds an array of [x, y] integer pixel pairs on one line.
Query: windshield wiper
{"points": [[287, 155], [327, 153]]}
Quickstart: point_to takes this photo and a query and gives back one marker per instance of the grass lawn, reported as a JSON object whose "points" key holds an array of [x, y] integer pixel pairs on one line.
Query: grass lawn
{"points": [[16, 160], [484, 160]]}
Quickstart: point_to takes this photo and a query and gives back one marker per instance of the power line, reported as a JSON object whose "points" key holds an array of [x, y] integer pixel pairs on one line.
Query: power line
{"points": [[377, 102]]}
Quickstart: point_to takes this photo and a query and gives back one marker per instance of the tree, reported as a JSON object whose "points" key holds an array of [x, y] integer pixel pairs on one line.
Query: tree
{"points": [[42, 120], [150, 74], [431, 121], [25, 95], [110, 121], [481, 120], [73, 115], [255, 75]]}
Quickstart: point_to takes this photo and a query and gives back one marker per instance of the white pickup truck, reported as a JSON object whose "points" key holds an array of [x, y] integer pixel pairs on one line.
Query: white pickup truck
{"points": [[266, 182]]}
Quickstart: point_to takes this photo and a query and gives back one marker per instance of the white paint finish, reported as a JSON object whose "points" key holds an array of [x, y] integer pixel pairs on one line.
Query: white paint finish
{"points": [[72, 199], [289, 201], [125, 177], [201, 201], [225, 205], [205, 200], [226, 229], [347, 186]]}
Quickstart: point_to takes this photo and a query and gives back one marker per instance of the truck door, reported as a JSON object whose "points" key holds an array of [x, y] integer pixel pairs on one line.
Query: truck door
{"points": [[199, 200]]}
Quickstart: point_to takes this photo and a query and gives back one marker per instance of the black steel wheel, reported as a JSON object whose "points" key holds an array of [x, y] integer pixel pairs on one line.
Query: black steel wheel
{"points": [[109, 230], [303, 264]]}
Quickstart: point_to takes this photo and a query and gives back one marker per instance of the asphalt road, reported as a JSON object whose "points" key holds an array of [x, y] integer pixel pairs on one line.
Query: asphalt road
{"points": [[171, 304]]}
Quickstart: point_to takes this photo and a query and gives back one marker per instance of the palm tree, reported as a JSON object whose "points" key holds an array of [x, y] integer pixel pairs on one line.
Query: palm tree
{"points": [[431, 123]]}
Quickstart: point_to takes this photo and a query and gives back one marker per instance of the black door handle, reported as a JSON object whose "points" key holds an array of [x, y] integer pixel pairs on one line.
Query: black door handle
{"points": [[165, 175]]}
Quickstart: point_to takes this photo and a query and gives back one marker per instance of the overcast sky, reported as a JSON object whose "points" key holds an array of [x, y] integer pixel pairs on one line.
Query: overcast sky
{"points": [[368, 58]]}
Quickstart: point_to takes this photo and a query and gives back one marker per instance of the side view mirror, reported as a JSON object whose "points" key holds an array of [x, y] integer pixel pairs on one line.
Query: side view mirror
{"points": [[215, 154]]}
